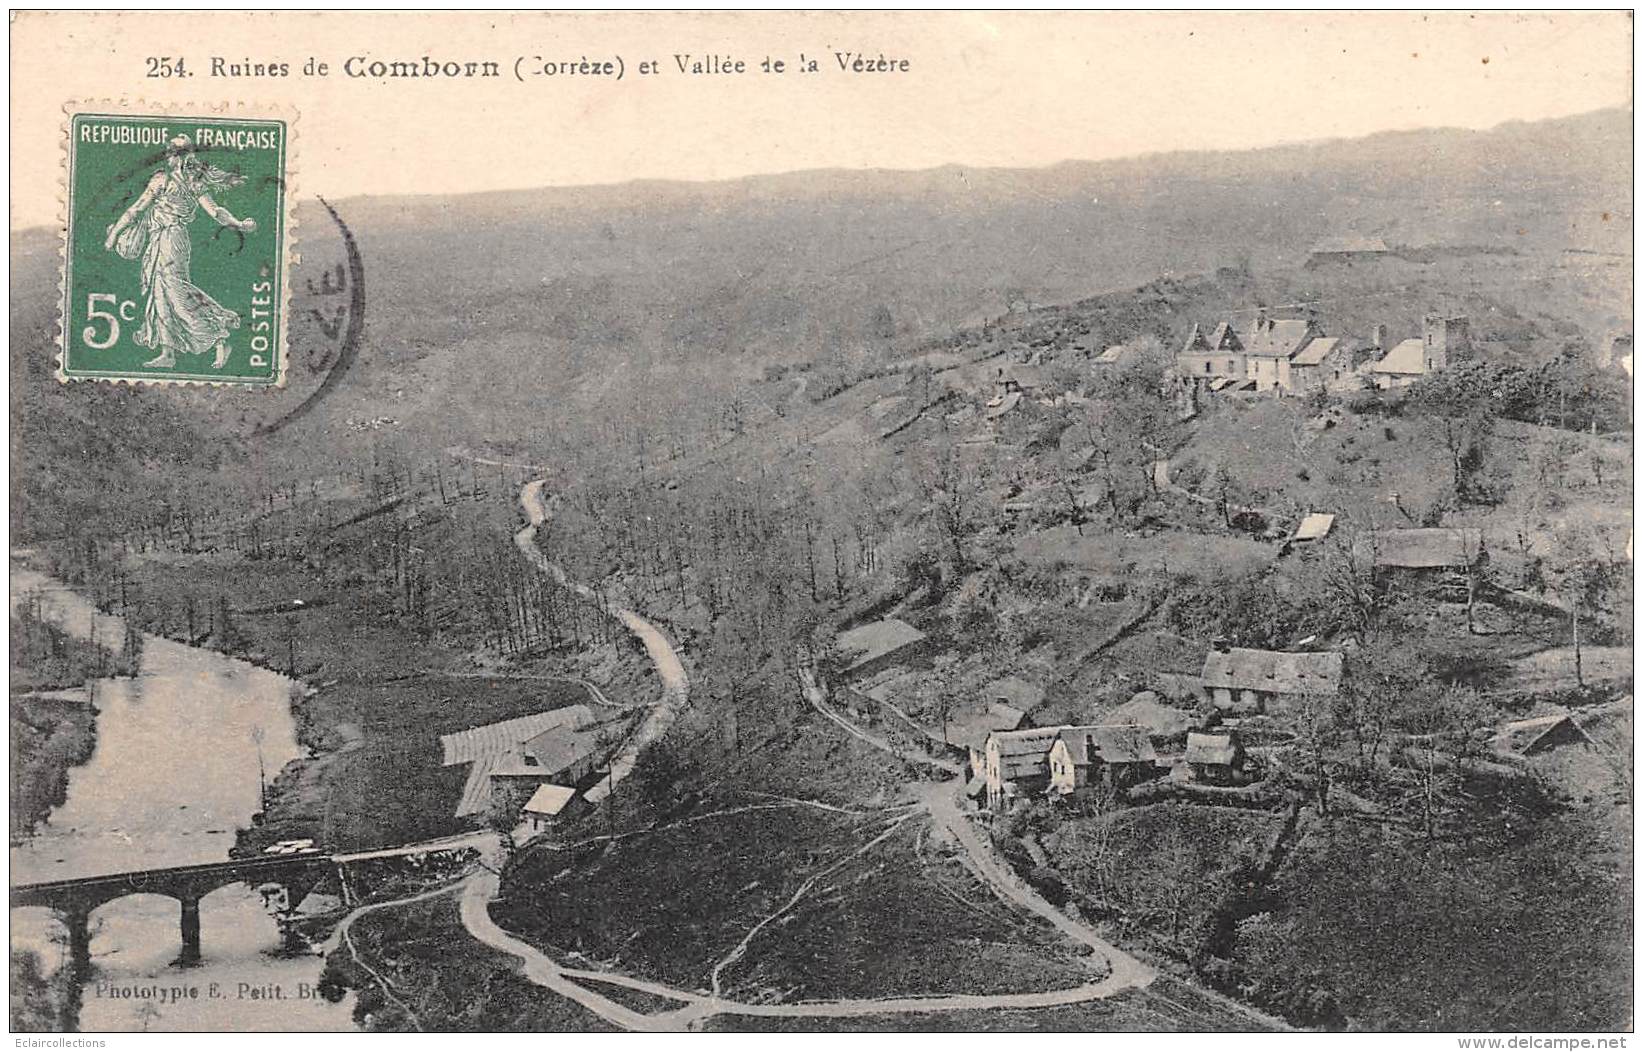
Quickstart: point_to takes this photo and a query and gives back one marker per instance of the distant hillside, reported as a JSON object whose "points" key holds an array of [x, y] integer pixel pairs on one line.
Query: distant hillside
{"points": [[496, 313]]}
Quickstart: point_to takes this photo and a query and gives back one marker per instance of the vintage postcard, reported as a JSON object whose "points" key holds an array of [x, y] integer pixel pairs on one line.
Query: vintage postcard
{"points": [[1109, 523]]}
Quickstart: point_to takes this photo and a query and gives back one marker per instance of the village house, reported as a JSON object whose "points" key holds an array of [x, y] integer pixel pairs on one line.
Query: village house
{"points": [[871, 648], [1443, 341], [1117, 756], [1217, 357], [545, 805], [1217, 758], [1017, 762], [1325, 363], [1271, 346], [1260, 356], [1251, 680], [1026, 380], [972, 730]]}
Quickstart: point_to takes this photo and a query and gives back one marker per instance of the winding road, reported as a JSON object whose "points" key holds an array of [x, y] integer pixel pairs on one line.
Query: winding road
{"points": [[938, 799], [671, 671]]}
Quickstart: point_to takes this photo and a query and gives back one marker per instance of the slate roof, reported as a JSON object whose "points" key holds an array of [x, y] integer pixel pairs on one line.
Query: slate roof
{"points": [[1281, 338], [1110, 743], [870, 642], [1022, 753], [1316, 351], [1315, 526], [549, 800], [1225, 338], [1273, 671], [1525, 736], [1211, 748], [1146, 710], [1196, 344], [476, 791], [1426, 549], [561, 748], [1406, 359], [493, 738]]}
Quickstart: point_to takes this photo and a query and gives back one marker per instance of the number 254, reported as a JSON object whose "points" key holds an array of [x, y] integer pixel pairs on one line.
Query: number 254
{"points": [[127, 310]]}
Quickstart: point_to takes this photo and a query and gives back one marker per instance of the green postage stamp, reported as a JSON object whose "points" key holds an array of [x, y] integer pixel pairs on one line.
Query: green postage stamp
{"points": [[176, 247]]}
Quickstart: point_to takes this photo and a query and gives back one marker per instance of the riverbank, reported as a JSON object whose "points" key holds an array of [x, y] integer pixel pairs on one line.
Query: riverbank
{"points": [[49, 735], [373, 691]]}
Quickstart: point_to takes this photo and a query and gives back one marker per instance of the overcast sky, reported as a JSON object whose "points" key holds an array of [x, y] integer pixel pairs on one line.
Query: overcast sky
{"points": [[1016, 89]]}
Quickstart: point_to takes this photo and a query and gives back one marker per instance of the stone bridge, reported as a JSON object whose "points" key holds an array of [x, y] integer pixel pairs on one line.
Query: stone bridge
{"points": [[74, 899]]}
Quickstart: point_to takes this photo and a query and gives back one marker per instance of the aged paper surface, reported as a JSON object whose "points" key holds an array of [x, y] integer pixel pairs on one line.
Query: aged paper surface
{"points": [[821, 521]]}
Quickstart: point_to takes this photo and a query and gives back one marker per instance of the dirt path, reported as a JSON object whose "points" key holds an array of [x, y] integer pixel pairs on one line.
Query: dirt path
{"points": [[696, 1007], [942, 803], [671, 671], [817, 697]]}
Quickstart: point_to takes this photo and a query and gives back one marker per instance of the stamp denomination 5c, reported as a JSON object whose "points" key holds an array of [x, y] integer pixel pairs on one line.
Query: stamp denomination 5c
{"points": [[175, 248]]}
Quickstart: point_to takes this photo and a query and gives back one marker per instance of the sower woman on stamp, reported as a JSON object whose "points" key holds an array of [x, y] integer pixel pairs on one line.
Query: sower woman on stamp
{"points": [[178, 317]]}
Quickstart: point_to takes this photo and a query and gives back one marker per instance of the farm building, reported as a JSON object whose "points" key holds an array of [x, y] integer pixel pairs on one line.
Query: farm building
{"points": [[1431, 548], [1542, 734], [1113, 755], [1238, 678], [570, 754], [498, 747], [879, 645], [1217, 758], [1335, 251]]}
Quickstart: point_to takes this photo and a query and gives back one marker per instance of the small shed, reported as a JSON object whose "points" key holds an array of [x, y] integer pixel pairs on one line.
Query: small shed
{"points": [[546, 804], [1542, 734], [1216, 758], [1315, 527]]}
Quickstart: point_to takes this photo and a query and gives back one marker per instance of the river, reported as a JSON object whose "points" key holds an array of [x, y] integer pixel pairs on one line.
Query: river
{"points": [[174, 774]]}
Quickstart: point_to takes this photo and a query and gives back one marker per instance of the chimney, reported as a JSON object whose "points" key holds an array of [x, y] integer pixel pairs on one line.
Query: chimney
{"points": [[1377, 337], [1221, 645], [1260, 320]]}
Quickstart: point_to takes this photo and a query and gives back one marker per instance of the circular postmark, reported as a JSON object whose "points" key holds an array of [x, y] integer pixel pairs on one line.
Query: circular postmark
{"points": [[328, 318]]}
